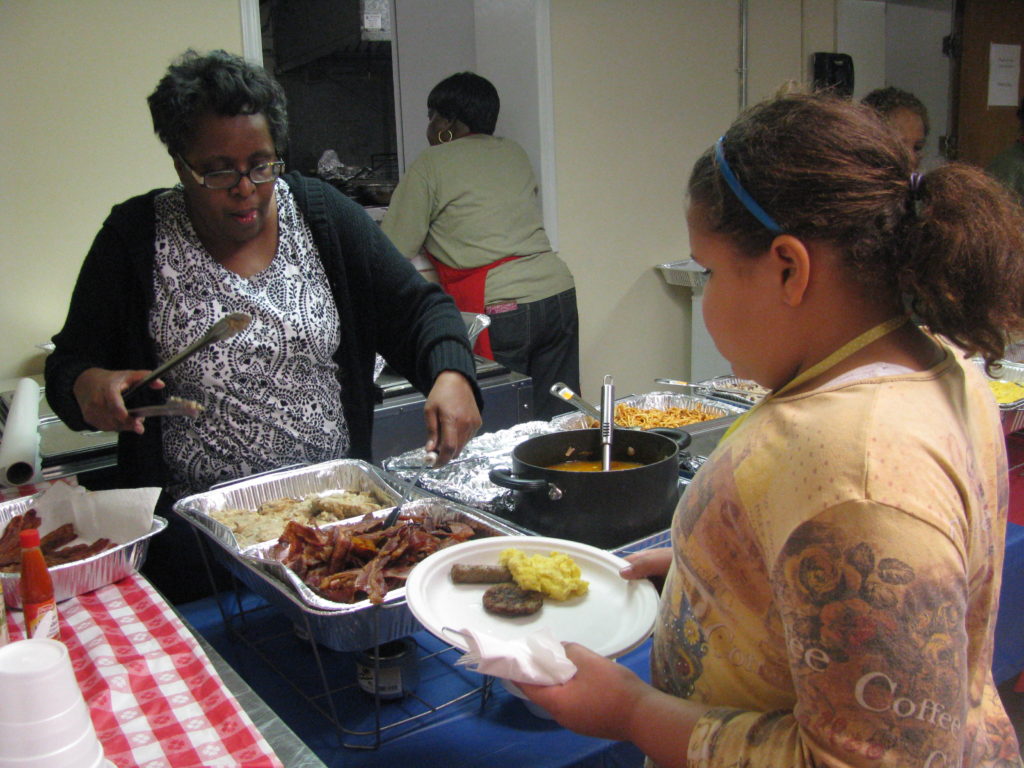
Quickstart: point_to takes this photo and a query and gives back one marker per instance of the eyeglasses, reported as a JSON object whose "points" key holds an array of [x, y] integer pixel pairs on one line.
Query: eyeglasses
{"points": [[258, 174]]}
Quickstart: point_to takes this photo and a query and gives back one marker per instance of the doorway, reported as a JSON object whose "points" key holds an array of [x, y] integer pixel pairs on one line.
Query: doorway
{"points": [[982, 130], [334, 60]]}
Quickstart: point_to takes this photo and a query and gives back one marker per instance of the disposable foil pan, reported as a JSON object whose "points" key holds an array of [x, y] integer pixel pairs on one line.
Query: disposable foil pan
{"points": [[661, 401], [84, 575], [339, 626], [1012, 414], [248, 493]]}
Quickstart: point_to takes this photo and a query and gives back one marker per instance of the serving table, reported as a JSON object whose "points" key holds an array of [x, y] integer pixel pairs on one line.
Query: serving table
{"points": [[489, 727], [159, 695]]}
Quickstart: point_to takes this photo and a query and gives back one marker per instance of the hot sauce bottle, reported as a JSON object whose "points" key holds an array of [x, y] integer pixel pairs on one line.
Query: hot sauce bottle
{"points": [[36, 589]]}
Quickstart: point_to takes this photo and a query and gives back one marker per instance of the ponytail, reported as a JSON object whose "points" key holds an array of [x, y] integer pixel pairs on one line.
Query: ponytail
{"points": [[948, 245], [963, 271]]}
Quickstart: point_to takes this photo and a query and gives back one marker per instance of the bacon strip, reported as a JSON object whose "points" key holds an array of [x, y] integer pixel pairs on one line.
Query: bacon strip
{"points": [[350, 562]]}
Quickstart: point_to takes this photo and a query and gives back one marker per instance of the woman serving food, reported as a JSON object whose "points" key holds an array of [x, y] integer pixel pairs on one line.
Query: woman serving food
{"points": [[835, 566], [326, 291]]}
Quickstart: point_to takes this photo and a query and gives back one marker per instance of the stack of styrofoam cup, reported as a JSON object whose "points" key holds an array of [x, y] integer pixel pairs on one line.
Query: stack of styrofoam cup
{"points": [[44, 721]]}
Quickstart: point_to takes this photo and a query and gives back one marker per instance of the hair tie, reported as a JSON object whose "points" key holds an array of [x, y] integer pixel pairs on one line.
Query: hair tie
{"points": [[916, 179], [741, 194]]}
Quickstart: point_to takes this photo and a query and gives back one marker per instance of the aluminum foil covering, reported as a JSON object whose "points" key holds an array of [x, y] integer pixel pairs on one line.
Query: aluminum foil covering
{"points": [[659, 400], [80, 576], [466, 479], [339, 626]]}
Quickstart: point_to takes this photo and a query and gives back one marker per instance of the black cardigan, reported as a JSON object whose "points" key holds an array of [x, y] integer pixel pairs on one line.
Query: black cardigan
{"points": [[383, 304]]}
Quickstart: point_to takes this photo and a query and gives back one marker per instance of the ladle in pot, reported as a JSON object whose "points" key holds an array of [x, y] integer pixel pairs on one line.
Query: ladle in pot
{"points": [[607, 422]]}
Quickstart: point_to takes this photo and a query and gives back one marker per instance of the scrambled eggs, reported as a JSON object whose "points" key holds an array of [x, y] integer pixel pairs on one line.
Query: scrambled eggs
{"points": [[556, 575], [1007, 391]]}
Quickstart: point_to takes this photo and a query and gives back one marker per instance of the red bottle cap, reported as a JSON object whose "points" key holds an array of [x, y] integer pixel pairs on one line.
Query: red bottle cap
{"points": [[29, 538]]}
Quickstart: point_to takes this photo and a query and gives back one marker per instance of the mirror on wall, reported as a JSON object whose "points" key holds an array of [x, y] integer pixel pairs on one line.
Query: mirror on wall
{"points": [[334, 60]]}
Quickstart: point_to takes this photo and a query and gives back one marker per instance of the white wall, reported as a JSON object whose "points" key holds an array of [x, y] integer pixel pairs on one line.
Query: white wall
{"points": [[914, 62], [432, 39], [77, 138], [899, 43], [640, 90], [860, 32]]}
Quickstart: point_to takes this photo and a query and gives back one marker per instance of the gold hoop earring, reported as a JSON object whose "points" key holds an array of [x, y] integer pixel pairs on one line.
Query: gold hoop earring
{"points": [[442, 140]]}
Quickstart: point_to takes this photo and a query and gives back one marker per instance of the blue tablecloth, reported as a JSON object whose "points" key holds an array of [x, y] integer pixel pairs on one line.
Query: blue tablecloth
{"points": [[498, 733], [1008, 659]]}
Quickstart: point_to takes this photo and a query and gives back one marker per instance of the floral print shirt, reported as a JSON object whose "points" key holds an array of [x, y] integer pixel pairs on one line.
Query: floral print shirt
{"points": [[271, 394], [836, 576]]}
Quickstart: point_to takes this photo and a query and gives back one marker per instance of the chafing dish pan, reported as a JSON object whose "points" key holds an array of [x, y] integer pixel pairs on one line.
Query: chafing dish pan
{"points": [[83, 575], [1011, 414], [658, 400], [339, 626]]}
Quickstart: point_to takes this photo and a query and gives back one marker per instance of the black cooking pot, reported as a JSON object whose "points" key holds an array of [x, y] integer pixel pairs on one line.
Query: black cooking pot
{"points": [[603, 509]]}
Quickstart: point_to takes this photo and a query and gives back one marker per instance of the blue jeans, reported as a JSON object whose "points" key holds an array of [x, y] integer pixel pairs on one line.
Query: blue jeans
{"points": [[541, 339]]}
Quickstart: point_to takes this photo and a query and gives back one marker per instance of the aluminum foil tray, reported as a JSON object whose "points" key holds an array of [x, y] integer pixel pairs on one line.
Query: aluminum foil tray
{"points": [[1012, 414], [732, 389], [661, 400], [80, 576], [339, 626], [249, 493], [466, 479]]}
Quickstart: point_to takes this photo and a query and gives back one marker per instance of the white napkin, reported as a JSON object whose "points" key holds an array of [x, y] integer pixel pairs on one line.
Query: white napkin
{"points": [[536, 658], [122, 515]]}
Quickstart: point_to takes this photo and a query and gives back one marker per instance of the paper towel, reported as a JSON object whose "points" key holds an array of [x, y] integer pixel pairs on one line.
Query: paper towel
{"points": [[121, 514], [536, 658], [19, 449]]}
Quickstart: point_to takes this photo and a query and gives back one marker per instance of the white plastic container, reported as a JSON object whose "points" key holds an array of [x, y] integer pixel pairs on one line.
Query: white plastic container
{"points": [[44, 721]]}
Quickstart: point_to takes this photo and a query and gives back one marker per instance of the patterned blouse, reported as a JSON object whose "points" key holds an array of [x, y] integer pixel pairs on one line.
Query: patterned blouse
{"points": [[271, 394], [835, 581]]}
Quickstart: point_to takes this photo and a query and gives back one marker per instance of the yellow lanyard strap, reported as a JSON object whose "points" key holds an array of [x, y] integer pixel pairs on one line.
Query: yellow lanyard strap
{"points": [[849, 348]]}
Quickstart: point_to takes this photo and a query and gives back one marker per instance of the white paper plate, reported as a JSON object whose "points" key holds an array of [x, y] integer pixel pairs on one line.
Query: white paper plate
{"points": [[614, 616]]}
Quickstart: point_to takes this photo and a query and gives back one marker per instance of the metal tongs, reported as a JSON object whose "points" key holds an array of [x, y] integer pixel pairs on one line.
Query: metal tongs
{"points": [[564, 392], [673, 382], [175, 406], [224, 328], [607, 422], [429, 461]]}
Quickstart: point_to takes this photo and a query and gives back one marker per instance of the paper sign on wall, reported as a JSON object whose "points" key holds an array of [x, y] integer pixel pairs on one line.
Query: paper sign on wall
{"points": [[1003, 75]]}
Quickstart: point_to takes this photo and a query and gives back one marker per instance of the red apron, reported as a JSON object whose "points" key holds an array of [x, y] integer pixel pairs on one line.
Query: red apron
{"points": [[466, 287]]}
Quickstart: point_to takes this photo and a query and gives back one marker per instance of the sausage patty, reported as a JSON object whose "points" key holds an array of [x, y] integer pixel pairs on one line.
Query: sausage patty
{"points": [[510, 599]]}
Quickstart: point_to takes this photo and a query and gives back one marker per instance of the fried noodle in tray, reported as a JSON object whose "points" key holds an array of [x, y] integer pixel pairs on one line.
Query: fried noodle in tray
{"points": [[656, 409]]}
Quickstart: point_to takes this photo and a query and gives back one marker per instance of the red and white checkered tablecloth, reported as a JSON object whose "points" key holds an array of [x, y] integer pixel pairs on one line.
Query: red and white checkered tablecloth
{"points": [[155, 698]]}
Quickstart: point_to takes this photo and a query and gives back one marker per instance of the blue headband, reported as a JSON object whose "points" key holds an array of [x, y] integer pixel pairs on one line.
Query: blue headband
{"points": [[741, 194]]}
